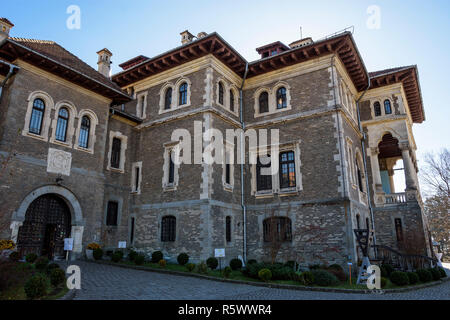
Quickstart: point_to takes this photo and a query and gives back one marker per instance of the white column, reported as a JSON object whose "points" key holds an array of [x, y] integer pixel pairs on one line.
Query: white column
{"points": [[408, 166], [376, 176], [15, 225]]}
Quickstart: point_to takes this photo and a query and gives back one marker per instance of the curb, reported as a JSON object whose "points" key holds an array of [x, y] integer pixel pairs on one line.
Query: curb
{"points": [[70, 295], [271, 285]]}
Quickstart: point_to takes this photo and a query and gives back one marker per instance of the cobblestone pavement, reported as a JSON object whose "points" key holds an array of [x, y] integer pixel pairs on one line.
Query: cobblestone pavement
{"points": [[105, 282]]}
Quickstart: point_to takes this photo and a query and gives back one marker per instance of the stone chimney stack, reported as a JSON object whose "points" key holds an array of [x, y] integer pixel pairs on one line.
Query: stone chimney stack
{"points": [[5, 27], [104, 62], [186, 37]]}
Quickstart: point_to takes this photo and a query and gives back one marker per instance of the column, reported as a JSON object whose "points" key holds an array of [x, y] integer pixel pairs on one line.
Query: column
{"points": [[374, 163], [408, 166]]}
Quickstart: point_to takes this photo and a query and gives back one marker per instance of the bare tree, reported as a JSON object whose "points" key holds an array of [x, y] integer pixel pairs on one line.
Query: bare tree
{"points": [[436, 173]]}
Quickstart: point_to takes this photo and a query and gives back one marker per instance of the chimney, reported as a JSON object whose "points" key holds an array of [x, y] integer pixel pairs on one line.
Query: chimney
{"points": [[186, 37], [5, 27], [201, 34], [104, 62], [301, 43]]}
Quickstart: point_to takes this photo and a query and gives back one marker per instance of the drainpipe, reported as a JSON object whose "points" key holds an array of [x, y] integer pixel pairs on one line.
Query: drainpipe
{"points": [[363, 148], [244, 208], [12, 68]]}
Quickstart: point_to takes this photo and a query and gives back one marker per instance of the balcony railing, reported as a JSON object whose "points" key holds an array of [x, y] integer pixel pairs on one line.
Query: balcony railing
{"points": [[394, 198]]}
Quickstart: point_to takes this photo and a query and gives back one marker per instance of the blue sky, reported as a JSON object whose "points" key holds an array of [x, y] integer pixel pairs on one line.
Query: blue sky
{"points": [[411, 32]]}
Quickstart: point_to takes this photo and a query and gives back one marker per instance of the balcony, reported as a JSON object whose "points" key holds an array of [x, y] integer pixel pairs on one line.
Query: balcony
{"points": [[395, 198]]}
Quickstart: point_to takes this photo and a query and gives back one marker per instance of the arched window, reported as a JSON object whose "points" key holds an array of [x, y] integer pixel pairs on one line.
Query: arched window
{"points": [[277, 229], [228, 228], [377, 109], [183, 94], [281, 98], [37, 116], [264, 102], [168, 229], [85, 127], [168, 99], [358, 172], [115, 153], [221, 93], [387, 107], [231, 100], [61, 125], [358, 222]]}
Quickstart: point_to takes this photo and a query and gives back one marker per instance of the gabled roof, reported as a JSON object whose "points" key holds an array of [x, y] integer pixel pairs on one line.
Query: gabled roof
{"points": [[409, 77], [51, 57]]}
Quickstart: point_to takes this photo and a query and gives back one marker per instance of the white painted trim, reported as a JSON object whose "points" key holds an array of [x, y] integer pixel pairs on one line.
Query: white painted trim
{"points": [[123, 147], [46, 120], [92, 137]]}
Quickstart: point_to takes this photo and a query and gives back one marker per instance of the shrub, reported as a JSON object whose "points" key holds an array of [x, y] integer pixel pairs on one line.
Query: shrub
{"points": [[340, 274], [442, 272], [202, 268], [98, 254], [435, 273], [399, 278], [14, 256], [383, 282], [139, 259], [156, 256], [413, 277], [265, 274], [424, 275], [93, 246], [317, 266], [306, 278], [190, 267], [162, 263], [7, 245], [132, 255], [291, 264], [226, 272], [52, 266], [212, 263], [324, 278], [31, 257], [36, 286], [335, 266], [235, 264], [383, 272], [57, 277], [117, 256], [41, 263], [251, 261], [282, 272], [388, 268], [182, 259]]}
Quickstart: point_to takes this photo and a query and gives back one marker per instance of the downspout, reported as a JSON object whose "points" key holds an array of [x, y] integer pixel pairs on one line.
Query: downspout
{"points": [[12, 68], [363, 148], [244, 208]]}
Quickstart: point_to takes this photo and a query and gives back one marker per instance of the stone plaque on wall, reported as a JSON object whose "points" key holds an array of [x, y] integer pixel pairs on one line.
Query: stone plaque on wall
{"points": [[59, 161]]}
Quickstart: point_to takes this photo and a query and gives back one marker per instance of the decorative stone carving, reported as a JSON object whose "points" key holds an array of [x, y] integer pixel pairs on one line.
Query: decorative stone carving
{"points": [[59, 161]]}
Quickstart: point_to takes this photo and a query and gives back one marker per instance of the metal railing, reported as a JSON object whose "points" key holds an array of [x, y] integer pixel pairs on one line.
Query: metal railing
{"points": [[401, 261]]}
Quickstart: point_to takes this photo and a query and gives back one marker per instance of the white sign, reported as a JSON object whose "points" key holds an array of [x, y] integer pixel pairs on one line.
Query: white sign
{"points": [[68, 244], [122, 244], [59, 161], [219, 253], [349, 263]]}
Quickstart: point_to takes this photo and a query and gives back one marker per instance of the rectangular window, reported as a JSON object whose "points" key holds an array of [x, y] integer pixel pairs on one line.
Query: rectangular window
{"points": [[136, 178], [227, 173], [171, 168], [398, 229], [132, 230], [287, 170], [263, 182], [115, 153], [112, 212], [168, 229], [228, 228]]}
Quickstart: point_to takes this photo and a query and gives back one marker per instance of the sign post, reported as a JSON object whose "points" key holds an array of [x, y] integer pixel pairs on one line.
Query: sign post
{"points": [[350, 272], [68, 246], [219, 253]]}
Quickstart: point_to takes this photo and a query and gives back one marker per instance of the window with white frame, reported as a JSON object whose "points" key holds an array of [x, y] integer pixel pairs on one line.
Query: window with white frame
{"points": [[85, 133], [381, 107], [136, 177], [227, 96], [175, 96], [141, 105], [269, 101], [116, 153], [171, 166], [37, 118], [228, 166], [63, 128]]}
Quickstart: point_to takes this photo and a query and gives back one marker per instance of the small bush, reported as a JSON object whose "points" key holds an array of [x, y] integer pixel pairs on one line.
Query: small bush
{"points": [[156, 256], [399, 278], [162, 263], [212, 263], [335, 266], [291, 264], [435, 273], [383, 271], [424, 275], [388, 268], [265, 274], [93, 246], [7, 245], [251, 261], [182, 259], [383, 282], [57, 277], [340, 274], [52, 266], [226, 272], [41, 263], [317, 266], [442, 272], [14, 256], [36, 286], [132, 255], [324, 278], [202, 268], [117, 256], [97, 254], [190, 267], [413, 277], [31, 257], [139, 259], [235, 264], [306, 278]]}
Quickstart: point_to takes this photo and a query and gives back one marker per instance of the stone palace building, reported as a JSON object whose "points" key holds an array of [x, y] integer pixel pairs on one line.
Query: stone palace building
{"points": [[89, 156]]}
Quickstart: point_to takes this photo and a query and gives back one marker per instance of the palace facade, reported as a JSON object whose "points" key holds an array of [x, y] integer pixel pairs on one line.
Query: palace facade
{"points": [[91, 157]]}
